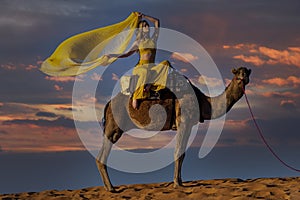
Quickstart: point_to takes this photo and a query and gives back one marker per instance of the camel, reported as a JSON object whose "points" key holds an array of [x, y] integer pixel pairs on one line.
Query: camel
{"points": [[120, 117]]}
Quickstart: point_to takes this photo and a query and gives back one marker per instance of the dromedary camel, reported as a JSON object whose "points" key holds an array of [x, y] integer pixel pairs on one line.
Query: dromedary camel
{"points": [[120, 117]]}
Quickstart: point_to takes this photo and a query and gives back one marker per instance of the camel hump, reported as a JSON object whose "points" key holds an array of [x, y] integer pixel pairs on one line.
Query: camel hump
{"points": [[155, 115]]}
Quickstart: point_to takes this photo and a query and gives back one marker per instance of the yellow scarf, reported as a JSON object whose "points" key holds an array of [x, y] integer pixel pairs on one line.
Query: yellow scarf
{"points": [[80, 53]]}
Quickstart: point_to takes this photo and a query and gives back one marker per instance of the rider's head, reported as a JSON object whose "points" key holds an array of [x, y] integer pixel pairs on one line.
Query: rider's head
{"points": [[143, 27]]}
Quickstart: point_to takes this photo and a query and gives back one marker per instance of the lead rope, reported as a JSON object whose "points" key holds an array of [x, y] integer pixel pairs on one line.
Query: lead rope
{"points": [[263, 138]]}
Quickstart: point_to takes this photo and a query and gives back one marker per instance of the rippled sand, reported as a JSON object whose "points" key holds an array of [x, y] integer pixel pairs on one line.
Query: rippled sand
{"points": [[224, 189]]}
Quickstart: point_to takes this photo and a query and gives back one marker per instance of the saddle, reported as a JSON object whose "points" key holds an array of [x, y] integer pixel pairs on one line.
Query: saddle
{"points": [[176, 83]]}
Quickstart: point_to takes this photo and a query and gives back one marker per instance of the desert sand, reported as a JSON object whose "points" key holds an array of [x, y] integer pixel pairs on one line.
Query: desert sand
{"points": [[233, 189]]}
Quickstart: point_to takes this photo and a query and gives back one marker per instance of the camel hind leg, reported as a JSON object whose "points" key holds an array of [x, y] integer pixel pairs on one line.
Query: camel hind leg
{"points": [[101, 163]]}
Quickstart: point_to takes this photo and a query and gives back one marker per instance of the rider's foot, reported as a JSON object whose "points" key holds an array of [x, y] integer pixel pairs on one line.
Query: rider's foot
{"points": [[135, 104]]}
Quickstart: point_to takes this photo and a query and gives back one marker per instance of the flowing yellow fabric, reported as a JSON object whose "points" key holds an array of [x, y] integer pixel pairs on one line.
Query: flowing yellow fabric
{"points": [[80, 53]]}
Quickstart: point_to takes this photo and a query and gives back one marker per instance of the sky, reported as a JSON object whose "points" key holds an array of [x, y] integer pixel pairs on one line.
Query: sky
{"points": [[36, 113]]}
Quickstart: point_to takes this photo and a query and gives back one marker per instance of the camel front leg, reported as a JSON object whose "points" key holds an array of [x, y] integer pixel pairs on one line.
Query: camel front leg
{"points": [[101, 163], [182, 137]]}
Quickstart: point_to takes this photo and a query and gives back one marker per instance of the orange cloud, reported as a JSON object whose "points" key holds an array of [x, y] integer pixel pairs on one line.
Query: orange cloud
{"points": [[295, 80], [184, 70], [236, 123], [60, 78], [30, 67], [276, 81], [260, 55], [8, 66], [255, 60], [296, 49], [39, 62], [281, 94], [58, 88], [291, 80], [287, 102], [291, 56], [241, 46], [32, 138], [115, 77]]}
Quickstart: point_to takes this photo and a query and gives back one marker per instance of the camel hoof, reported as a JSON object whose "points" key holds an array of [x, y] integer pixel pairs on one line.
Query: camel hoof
{"points": [[177, 185], [110, 189]]}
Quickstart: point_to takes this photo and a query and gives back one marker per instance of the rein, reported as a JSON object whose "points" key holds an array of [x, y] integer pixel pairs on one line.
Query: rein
{"points": [[261, 134]]}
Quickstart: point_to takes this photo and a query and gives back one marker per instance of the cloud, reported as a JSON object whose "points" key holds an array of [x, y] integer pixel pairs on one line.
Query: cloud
{"points": [[290, 56], [236, 123], [96, 77], [281, 94], [183, 70], [18, 109], [16, 21], [295, 49], [12, 67], [65, 108], [46, 114], [33, 138], [61, 8], [260, 55], [30, 67], [63, 79], [288, 104], [276, 81], [85, 99], [59, 122], [115, 77], [211, 81], [255, 60], [240, 46], [295, 80], [184, 57], [58, 88], [8, 66], [291, 80]]}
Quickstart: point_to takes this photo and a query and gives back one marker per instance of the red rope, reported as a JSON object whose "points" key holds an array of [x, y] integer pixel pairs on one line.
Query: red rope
{"points": [[263, 138]]}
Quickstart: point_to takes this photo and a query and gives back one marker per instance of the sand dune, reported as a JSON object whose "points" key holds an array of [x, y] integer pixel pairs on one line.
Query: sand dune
{"points": [[222, 189]]}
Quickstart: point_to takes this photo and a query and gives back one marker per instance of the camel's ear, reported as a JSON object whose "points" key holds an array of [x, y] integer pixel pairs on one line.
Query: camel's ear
{"points": [[248, 72], [234, 71]]}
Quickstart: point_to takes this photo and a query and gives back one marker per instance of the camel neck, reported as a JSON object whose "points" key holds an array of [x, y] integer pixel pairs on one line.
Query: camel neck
{"points": [[234, 91], [215, 107]]}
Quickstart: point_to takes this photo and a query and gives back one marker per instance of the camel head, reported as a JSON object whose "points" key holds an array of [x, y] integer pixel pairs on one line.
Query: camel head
{"points": [[242, 74]]}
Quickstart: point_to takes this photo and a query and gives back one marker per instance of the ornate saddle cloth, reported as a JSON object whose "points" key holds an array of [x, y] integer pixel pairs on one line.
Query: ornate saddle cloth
{"points": [[176, 82]]}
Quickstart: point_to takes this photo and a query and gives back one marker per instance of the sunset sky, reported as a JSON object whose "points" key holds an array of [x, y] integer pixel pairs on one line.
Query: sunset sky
{"points": [[36, 110]]}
